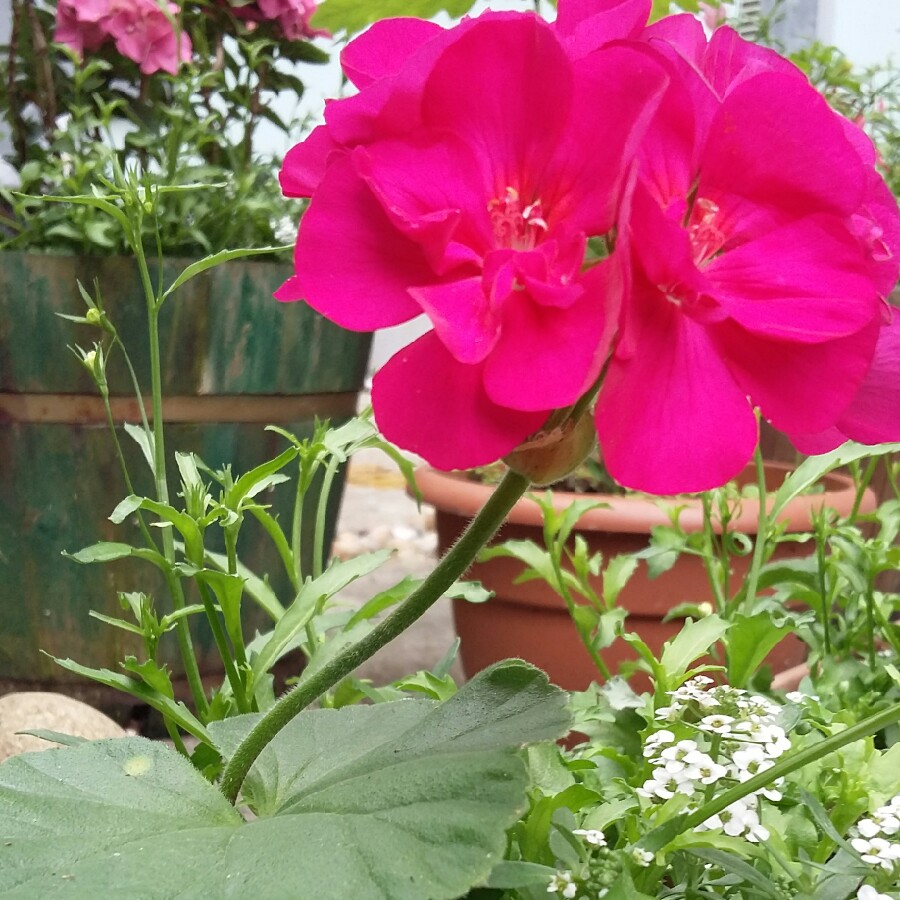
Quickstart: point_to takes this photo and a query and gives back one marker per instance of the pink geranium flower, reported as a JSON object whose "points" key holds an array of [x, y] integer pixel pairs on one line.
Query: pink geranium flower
{"points": [[143, 32], [78, 23], [140, 28], [759, 258], [477, 215]]}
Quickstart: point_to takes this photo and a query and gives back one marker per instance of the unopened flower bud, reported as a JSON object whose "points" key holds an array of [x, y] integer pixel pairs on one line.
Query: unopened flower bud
{"points": [[551, 455], [94, 317]]}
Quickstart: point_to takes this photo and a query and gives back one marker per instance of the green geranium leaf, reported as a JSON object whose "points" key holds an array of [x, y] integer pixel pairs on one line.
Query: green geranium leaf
{"points": [[351, 16], [403, 800]]}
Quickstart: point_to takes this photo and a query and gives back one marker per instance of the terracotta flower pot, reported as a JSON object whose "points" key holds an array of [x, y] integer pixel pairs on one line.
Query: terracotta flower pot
{"points": [[529, 620]]}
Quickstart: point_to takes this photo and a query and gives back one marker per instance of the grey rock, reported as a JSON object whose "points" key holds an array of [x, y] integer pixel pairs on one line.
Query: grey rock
{"points": [[53, 712]]}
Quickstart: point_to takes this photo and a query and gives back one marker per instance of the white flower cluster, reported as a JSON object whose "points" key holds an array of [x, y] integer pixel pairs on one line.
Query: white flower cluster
{"points": [[736, 738], [563, 885], [874, 842], [867, 892]]}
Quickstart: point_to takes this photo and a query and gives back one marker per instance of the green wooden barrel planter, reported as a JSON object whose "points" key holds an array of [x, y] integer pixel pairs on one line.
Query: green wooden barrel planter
{"points": [[234, 361]]}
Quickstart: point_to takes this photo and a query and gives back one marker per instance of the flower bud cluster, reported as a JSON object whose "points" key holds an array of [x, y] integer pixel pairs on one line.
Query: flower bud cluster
{"points": [[719, 736], [877, 838]]}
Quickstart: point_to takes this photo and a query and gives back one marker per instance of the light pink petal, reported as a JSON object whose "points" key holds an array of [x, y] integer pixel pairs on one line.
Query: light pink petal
{"points": [[383, 48], [305, 163], [671, 418], [352, 265], [586, 25], [617, 92], [428, 402], [804, 282], [462, 317], [798, 161], [504, 89], [546, 357], [800, 388]]}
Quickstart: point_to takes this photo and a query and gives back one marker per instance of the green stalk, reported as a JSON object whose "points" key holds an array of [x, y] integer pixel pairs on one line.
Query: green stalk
{"points": [[762, 530], [785, 766], [823, 582], [449, 569], [321, 515], [231, 672], [861, 485], [709, 534], [183, 632], [273, 529], [145, 531]]}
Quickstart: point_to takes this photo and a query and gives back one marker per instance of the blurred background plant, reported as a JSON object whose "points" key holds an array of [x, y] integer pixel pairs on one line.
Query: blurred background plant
{"points": [[175, 90]]}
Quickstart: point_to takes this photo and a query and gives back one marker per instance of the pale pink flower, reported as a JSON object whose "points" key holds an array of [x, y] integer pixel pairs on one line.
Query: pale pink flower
{"points": [[78, 23], [144, 33]]}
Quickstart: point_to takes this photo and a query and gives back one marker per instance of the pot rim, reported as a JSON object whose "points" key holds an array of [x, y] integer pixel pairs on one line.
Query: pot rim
{"points": [[455, 493]]}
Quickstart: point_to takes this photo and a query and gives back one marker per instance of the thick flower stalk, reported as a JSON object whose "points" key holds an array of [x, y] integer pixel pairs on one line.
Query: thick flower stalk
{"points": [[598, 197]]}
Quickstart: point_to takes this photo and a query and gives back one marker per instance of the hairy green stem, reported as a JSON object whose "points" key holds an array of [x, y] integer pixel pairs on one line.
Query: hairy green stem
{"points": [[448, 570]]}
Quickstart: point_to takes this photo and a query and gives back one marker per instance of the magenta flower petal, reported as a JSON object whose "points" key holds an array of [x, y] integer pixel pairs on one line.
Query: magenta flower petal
{"points": [[432, 192], [671, 418], [586, 25], [873, 416], [785, 379], [805, 282], [383, 48], [522, 79], [617, 92], [352, 265], [526, 370], [431, 404], [730, 60], [305, 163], [821, 442], [798, 161], [462, 318]]}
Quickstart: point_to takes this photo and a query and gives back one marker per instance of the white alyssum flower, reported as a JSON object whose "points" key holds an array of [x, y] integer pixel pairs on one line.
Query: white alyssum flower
{"points": [[656, 740], [642, 857], [877, 851], [867, 892], [673, 757], [740, 819], [717, 724], [591, 836], [563, 884], [662, 785]]}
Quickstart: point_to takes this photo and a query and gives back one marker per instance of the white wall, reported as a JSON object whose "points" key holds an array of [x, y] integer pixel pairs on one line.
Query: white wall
{"points": [[868, 31]]}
